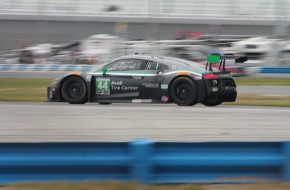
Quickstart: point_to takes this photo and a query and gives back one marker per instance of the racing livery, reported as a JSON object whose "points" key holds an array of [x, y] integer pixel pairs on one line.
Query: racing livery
{"points": [[145, 79]]}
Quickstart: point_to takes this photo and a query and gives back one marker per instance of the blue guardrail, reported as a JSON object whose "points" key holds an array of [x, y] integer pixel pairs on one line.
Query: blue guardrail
{"points": [[275, 70], [146, 161]]}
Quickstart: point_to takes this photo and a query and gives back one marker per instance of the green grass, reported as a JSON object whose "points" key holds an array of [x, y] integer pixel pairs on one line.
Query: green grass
{"points": [[113, 185], [262, 81], [259, 100], [34, 90]]}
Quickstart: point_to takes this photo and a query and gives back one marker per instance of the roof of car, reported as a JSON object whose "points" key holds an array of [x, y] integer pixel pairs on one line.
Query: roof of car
{"points": [[137, 56], [164, 59], [151, 57]]}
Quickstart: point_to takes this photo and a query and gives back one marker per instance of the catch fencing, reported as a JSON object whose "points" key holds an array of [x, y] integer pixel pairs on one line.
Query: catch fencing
{"points": [[146, 161]]}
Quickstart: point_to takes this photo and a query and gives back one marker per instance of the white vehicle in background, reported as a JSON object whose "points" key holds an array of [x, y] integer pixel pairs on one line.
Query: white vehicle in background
{"points": [[286, 54], [138, 47], [99, 48], [36, 54], [261, 51]]}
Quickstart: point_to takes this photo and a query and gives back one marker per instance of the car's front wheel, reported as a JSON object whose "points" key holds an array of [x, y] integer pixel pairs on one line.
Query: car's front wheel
{"points": [[74, 90], [183, 92]]}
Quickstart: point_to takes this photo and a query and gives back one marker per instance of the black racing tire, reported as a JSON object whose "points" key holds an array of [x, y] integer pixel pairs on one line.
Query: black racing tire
{"points": [[105, 103], [212, 101], [183, 92], [74, 90]]}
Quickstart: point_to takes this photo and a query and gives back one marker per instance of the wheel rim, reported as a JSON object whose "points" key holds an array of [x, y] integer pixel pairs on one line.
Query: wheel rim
{"points": [[183, 92], [75, 90]]}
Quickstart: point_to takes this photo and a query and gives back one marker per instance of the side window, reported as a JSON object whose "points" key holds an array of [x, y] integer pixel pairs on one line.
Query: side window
{"points": [[155, 66], [125, 65], [163, 67]]}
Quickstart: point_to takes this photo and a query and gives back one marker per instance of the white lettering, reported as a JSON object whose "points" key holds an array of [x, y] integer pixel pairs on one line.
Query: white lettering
{"points": [[115, 87], [117, 82], [129, 87], [141, 100], [164, 86], [150, 85]]}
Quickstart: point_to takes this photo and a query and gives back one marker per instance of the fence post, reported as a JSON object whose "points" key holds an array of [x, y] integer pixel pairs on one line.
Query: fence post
{"points": [[286, 164], [141, 168]]}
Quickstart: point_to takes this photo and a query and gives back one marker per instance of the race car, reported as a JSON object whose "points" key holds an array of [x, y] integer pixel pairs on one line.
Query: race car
{"points": [[146, 79]]}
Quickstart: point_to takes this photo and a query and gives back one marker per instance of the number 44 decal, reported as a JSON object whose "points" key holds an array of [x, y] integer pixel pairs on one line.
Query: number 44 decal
{"points": [[103, 86]]}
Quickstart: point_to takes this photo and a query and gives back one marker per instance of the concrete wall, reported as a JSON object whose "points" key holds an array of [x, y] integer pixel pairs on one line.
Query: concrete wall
{"points": [[16, 32]]}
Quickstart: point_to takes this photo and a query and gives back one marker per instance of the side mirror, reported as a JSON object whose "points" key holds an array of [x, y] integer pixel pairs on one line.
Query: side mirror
{"points": [[105, 70], [159, 72]]}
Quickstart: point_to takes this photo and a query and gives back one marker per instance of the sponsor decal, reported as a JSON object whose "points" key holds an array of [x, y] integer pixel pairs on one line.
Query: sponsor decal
{"points": [[129, 88], [197, 77], [173, 67], [164, 99], [164, 86], [103, 86], [118, 85], [141, 100], [150, 85]]}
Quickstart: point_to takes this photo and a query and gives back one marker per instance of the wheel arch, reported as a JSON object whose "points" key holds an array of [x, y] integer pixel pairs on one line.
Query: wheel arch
{"points": [[65, 78], [176, 77]]}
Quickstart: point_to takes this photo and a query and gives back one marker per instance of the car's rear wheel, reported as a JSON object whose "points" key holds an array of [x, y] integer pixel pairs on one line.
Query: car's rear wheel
{"points": [[74, 90], [183, 92], [212, 101]]}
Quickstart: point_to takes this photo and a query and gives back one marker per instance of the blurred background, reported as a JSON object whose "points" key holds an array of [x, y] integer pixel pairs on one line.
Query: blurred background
{"points": [[95, 31]]}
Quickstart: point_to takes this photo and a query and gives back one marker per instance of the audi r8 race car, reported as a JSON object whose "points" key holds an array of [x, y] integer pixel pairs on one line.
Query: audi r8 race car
{"points": [[146, 79]]}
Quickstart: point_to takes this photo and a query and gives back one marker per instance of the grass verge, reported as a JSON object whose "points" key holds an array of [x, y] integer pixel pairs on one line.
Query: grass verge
{"points": [[34, 90], [259, 100], [113, 185], [262, 81]]}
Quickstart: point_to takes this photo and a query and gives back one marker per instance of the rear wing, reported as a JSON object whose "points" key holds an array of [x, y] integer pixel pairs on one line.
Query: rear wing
{"points": [[216, 57]]}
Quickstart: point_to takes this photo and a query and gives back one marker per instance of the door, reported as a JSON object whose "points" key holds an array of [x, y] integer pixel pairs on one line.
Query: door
{"points": [[122, 81], [152, 80]]}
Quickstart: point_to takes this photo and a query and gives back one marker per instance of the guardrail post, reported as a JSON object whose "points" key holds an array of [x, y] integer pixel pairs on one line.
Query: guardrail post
{"points": [[141, 168], [286, 164]]}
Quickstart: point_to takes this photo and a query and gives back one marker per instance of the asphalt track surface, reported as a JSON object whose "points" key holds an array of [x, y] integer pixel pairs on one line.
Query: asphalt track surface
{"points": [[55, 122]]}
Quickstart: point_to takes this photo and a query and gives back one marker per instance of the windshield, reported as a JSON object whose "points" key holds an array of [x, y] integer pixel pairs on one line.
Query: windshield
{"points": [[98, 68]]}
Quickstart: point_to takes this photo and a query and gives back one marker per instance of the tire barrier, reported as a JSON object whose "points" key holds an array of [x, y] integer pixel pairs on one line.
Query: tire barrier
{"points": [[147, 162]]}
